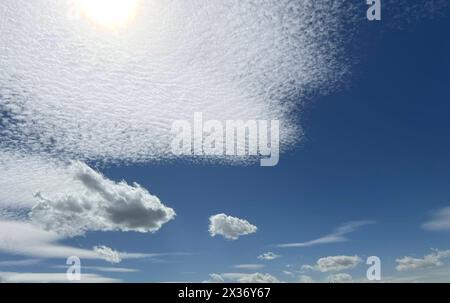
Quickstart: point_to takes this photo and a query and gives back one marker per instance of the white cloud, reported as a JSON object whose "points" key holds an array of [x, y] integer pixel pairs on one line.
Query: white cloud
{"points": [[243, 278], [14, 277], [440, 220], [98, 97], [230, 227], [104, 269], [26, 174], [431, 260], [305, 279], [340, 278], [427, 275], [101, 205], [268, 256], [339, 235], [26, 239], [249, 266], [108, 254], [25, 262], [111, 269], [334, 263]]}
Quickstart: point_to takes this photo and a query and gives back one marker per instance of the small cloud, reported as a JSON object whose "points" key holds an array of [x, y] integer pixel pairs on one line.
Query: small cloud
{"points": [[305, 279], [230, 227], [339, 235], [249, 266], [288, 273], [440, 220], [268, 256], [340, 278], [334, 263], [431, 260], [108, 254], [242, 278]]}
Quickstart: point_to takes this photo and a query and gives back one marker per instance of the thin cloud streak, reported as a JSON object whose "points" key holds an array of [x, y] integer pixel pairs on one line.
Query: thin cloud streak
{"points": [[338, 235]]}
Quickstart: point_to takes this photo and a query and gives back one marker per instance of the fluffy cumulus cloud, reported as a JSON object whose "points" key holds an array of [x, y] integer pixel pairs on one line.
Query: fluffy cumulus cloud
{"points": [[243, 278], [100, 205], [340, 278], [334, 263], [440, 220], [268, 256], [230, 227], [74, 89], [429, 261]]}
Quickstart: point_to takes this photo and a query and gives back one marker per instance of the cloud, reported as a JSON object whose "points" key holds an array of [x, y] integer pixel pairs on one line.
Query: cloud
{"points": [[268, 256], [111, 269], [104, 269], [334, 263], [243, 278], [431, 260], [340, 278], [305, 279], [108, 254], [13, 263], [101, 205], [335, 237], [26, 174], [440, 220], [427, 275], [230, 227], [249, 266], [14, 277], [96, 97], [26, 239]]}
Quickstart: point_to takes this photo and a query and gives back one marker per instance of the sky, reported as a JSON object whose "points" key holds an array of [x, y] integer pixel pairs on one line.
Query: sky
{"points": [[368, 174]]}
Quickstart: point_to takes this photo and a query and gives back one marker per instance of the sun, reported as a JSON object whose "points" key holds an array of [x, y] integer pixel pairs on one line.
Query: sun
{"points": [[108, 13]]}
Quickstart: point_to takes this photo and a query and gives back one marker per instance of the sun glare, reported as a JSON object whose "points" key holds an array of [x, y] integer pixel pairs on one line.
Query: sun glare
{"points": [[108, 13]]}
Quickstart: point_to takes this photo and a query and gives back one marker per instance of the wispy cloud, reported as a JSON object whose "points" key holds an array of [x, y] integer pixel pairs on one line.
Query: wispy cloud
{"points": [[338, 235], [14, 277], [29, 240], [439, 221], [19, 263], [103, 269], [249, 266]]}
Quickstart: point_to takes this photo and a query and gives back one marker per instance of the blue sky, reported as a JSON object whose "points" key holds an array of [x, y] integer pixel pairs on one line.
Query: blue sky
{"points": [[377, 148]]}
